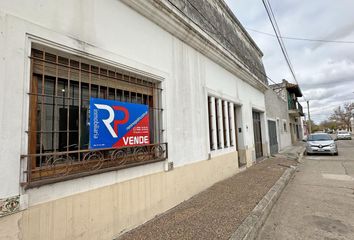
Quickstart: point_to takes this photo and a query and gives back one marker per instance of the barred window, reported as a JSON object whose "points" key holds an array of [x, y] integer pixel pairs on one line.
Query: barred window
{"points": [[221, 123], [284, 126], [60, 92]]}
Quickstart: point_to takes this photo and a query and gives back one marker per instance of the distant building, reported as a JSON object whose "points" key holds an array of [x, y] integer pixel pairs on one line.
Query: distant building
{"points": [[278, 121], [284, 114]]}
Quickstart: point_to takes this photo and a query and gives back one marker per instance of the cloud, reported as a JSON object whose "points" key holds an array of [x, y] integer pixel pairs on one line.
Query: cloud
{"points": [[325, 71], [337, 34]]}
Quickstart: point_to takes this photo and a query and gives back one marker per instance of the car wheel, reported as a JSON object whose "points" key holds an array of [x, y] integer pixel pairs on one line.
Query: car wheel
{"points": [[336, 153]]}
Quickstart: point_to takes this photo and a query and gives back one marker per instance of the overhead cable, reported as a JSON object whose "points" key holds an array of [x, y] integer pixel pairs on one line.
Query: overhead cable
{"points": [[301, 39], [276, 29]]}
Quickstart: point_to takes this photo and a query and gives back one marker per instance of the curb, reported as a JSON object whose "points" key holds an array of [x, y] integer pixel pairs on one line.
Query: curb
{"points": [[253, 223], [301, 155]]}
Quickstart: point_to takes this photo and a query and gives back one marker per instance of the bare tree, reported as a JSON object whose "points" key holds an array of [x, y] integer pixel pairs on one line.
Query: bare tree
{"points": [[342, 115], [328, 124]]}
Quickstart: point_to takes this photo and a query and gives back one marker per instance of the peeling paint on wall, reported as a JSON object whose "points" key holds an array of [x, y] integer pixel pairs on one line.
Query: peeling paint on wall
{"points": [[209, 16]]}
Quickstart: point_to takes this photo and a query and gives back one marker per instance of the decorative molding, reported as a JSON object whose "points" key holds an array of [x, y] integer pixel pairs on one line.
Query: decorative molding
{"points": [[173, 21], [40, 42], [9, 205]]}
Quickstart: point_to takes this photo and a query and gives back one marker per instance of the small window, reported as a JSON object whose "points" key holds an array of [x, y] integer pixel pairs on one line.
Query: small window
{"points": [[220, 124], [225, 122], [211, 127]]}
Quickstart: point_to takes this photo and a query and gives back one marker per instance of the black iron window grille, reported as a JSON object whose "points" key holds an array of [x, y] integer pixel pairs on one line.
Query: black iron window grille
{"points": [[60, 91]]}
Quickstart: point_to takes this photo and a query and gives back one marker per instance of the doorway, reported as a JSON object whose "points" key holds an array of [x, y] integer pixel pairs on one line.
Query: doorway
{"points": [[273, 142], [257, 131]]}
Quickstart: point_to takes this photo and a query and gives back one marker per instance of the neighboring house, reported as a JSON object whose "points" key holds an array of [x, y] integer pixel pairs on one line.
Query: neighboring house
{"points": [[278, 121], [290, 93], [189, 67], [305, 130]]}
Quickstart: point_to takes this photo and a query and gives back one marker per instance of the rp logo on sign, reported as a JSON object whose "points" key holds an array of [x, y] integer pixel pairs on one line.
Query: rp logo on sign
{"points": [[107, 122], [116, 124]]}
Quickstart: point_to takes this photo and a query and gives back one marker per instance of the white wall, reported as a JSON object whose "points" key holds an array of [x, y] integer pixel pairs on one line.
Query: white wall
{"points": [[116, 33], [101, 30], [285, 135], [228, 86]]}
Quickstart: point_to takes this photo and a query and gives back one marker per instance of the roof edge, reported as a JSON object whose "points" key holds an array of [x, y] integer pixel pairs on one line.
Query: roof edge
{"points": [[227, 9]]}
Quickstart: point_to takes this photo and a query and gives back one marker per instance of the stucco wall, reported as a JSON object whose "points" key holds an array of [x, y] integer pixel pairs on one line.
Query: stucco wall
{"points": [[224, 84], [277, 110], [106, 212], [114, 33]]}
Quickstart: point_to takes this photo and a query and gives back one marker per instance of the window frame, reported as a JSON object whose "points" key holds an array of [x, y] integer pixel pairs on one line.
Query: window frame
{"points": [[223, 121], [157, 151]]}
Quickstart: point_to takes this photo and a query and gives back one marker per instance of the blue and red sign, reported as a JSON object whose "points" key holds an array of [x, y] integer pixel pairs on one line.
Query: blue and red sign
{"points": [[117, 124]]}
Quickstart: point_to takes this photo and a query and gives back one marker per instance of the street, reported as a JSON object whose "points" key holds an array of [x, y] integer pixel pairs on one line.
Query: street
{"points": [[318, 202]]}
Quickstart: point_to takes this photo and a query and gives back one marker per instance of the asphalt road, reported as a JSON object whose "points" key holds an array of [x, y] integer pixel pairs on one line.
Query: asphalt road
{"points": [[318, 202]]}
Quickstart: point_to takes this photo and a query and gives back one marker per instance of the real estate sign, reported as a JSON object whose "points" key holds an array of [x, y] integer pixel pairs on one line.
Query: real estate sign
{"points": [[118, 124]]}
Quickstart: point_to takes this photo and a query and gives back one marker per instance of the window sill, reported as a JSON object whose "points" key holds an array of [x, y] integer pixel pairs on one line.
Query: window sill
{"points": [[219, 152], [105, 160]]}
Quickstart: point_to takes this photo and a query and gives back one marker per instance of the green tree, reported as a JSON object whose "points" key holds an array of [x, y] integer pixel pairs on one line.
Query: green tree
{"points": [[314, 126]]}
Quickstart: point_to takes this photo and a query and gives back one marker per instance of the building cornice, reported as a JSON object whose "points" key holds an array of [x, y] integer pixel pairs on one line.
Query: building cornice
{"points": [[232, 16], [172, 20]]}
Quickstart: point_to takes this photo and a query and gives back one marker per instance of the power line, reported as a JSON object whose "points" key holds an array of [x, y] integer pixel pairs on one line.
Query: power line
{"points": [[281, 39], [301, 39], [217, 32], [276, 29]]}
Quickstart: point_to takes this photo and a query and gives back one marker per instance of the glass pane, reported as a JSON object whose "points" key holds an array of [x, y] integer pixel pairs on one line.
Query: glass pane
{"points": [[119, 95], [85, 127], [48, 115], [112, 94], [139, 98], [133, 97], [84, 91], [74, 92], [127, 96], [94, 91], [62, 92], [103, 92], [63, 114]]}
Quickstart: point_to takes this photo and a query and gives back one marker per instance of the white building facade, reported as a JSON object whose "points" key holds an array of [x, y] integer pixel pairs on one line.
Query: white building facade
{"points": [[206, 104]]}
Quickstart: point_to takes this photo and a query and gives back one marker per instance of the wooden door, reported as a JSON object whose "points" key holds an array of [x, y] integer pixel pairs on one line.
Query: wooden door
{"points": [[257, 134]]}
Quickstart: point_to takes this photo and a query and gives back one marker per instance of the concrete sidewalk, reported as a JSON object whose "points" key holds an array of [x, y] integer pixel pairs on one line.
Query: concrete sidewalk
{"points": [[293, 152], [217, 212]]}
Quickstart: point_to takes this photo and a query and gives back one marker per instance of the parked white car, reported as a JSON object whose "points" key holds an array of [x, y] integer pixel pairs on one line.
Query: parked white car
{"points": [[321, 143], [344, 135]]}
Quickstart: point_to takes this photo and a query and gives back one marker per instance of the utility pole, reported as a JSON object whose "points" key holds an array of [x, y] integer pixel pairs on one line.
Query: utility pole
{"points": [[308, 113]]}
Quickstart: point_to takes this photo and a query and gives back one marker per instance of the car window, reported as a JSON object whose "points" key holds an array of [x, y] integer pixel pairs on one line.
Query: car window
{"points": [[320, 137]]}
